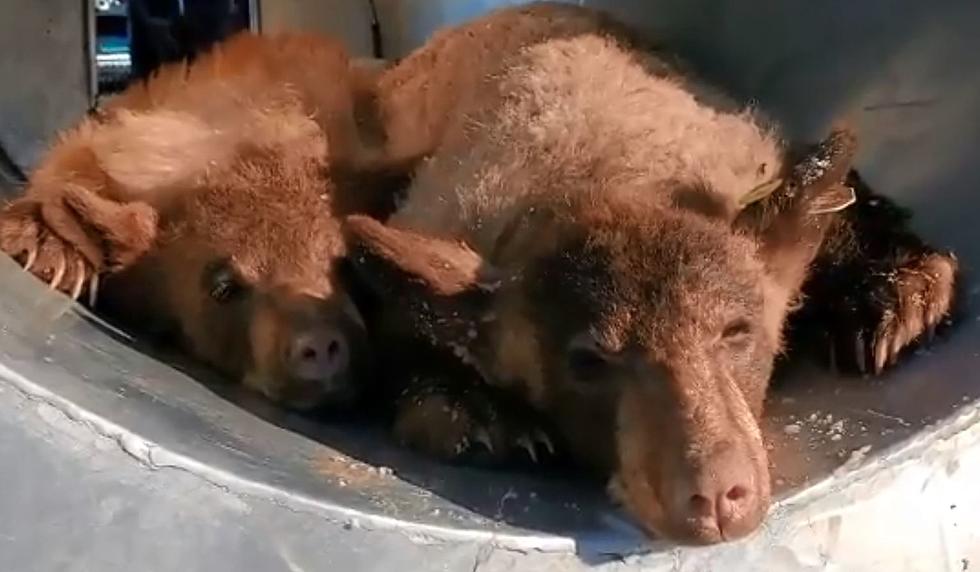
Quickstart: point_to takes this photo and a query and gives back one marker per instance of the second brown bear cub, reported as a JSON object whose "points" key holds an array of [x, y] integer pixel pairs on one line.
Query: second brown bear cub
{"points": [[207, 203], [577, 243]]}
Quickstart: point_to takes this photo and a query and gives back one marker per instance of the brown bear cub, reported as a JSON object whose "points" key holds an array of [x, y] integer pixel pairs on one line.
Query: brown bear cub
{"points": [[207, 202], [578, 243]]}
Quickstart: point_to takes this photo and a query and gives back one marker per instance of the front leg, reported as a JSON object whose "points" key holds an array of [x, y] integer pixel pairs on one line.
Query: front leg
{"points": [[91, 203], [68, 235], [875, 288]]}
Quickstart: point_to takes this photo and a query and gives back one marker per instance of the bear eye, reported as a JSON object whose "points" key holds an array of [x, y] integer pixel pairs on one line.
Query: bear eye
{"points": [[222, 282], [737, 328], [587, 360]]}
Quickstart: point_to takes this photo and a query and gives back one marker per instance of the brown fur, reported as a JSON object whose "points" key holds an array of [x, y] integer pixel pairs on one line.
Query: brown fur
{"points": [[415, 95], [594, 188], [238, 164]]}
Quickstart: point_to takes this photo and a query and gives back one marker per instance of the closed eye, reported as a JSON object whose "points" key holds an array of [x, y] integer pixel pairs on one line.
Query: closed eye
{"points": [[736, 329], [222, 283], [586, 363], [587, 360]]}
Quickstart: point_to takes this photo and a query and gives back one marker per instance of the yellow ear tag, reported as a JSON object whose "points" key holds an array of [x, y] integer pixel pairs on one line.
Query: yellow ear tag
{"points": [[837, 199], [760, 192]]}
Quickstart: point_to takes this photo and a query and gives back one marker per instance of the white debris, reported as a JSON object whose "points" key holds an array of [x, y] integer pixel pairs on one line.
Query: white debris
{"points": [[858, 455]]}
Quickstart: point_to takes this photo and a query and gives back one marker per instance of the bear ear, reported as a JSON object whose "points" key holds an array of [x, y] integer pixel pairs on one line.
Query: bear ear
{"points": [[788, 223], [388, 258], [437, 288]]}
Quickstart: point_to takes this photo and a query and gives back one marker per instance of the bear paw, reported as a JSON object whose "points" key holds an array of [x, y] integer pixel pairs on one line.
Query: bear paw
{"points": [[68, 235], [28, 235], [474, 422], [894, 310]]}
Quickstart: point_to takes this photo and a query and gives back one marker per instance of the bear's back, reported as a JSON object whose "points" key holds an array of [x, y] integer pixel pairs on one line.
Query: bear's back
{"points": [[585, 116]]}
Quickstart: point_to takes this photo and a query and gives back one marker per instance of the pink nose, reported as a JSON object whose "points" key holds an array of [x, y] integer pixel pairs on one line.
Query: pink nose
{"points": [[318, 356], [723, 500]]}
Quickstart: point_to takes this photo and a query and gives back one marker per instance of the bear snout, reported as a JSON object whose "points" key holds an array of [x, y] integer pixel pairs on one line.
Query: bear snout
{"points": [[318, 369], [692, 467], [307, 352], [720, 500], [319, 356]]}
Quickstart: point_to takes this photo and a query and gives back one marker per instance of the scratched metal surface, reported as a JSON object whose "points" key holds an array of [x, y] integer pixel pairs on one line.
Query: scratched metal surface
{"points": [[112, 460]]}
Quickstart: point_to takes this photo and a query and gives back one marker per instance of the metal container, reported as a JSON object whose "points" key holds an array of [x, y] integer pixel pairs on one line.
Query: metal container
{"points": [[111, 460]]}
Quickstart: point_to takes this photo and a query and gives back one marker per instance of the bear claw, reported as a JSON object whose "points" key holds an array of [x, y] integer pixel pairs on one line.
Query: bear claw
{"points": [[31, 258], [93, 290], [542, 437], [482, 436], [76, 289], [524, 442], [901, 308], [59, 273], [62, 270], [531, 442], [448, 418], [859, 352]]}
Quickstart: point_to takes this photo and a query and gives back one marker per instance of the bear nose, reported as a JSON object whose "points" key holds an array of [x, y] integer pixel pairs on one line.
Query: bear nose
{"points": [[318, 355], [722, 501]]}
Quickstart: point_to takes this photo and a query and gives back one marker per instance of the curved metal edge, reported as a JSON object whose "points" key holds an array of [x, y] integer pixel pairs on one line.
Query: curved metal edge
{"points": [[153, 455], [797, 524]]}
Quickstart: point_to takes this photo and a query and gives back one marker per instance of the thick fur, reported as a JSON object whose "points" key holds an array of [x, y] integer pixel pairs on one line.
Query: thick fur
{"points": [[416, 98], [237, 167], [575, 238]]}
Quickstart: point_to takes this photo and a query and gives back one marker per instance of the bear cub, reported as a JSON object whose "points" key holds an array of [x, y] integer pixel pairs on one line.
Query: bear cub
{"points": [[204, 205], [613, 245]]}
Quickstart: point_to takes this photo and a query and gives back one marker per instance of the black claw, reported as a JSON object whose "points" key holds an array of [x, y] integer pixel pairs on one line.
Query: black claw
{"points": [[482, 436], [543, 438], [859, 353], [880, 353], [527, 444], [896, 349]]}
